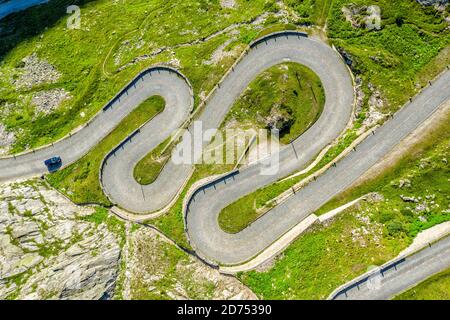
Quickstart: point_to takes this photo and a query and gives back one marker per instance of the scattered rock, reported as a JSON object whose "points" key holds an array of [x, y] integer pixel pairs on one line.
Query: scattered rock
{"points": [[376, 104], [220, 53], [421, 207], [152, 268], [375, 197], [369, 231], [228, 4], [424, 163], [346, 56], [35, 71], [409, 199], [404, 183], [7, 138], [48, 101], [422, 219], [279, 118]]}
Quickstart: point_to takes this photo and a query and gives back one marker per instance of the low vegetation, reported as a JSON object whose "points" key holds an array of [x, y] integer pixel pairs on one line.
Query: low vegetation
{"points": [[238, 215], [172, 223], [399, 58], [115, 42], [156, 269]]}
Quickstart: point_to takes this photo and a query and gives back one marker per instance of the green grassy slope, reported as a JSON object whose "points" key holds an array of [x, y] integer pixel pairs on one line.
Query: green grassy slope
{"points": [[97, 60]]}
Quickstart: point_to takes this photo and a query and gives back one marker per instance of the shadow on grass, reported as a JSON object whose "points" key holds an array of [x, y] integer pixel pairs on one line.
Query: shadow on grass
{"points": [[20, 26]]}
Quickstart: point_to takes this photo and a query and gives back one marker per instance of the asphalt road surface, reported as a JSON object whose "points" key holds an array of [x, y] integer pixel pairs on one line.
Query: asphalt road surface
{"points": [[403, 276]]}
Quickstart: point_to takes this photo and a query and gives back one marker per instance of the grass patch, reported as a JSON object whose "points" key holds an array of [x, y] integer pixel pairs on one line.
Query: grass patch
{"points": [[418, 162], [436, 287], [287, 96], [173, 272], [311, 11], [149, 168], [398, 60], [289, 92], [80, 181], [98, 59], [114, 225]]}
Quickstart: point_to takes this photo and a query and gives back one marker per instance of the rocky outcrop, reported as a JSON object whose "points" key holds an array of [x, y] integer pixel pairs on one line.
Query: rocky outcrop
{"points": [[355, 14], [50, 250], [279, 118]]}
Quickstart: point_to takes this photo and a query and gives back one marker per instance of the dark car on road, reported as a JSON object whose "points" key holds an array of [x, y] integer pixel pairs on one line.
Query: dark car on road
{"points": [[53, 164]]}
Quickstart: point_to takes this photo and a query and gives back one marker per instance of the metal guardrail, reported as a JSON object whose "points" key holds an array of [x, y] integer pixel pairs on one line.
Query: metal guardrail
{"points": [[108, 105], [124, 142], [355, 283], [211, 184], [132, 83], [277, 35], [360, 281], [140, 76]]}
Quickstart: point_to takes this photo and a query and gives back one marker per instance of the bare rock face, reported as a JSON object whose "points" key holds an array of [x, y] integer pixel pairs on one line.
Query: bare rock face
{"points": [[229, 4], [48, 250], [376, 104], [375, 197], [279, 118]]}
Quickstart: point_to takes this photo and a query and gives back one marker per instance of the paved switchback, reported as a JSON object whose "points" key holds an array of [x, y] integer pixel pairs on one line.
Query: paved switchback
{"points": [[216, 245]]}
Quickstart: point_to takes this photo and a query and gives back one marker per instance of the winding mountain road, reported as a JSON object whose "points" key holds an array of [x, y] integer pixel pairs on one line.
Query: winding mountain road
{"points": [[118, 174], [211, 242], [204, 233]]}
